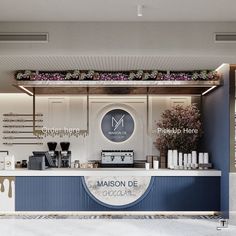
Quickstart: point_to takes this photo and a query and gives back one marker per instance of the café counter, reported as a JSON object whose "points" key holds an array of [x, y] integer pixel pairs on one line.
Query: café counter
{"points": [[110, 189], [109, 172]]}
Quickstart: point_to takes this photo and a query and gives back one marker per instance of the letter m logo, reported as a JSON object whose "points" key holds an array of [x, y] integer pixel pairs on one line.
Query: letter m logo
{"points": [[116, 124]]}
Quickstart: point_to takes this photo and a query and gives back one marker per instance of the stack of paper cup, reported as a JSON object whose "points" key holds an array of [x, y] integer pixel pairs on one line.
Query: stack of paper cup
{"points": [[147, 166], [200, 158], [194, 159], [185, 160], [170, 159], [205, 158], [180, 160], [155, 165], [189, 160], [175, 159]]}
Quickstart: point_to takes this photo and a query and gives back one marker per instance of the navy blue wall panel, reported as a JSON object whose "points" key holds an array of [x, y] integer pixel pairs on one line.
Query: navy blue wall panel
{"points": [[216, 139], [166, 194]]}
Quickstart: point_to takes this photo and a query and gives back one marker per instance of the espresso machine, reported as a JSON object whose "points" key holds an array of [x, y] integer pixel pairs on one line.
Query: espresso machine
{"points": [[65, 155], [117, 158], [53, 153]]}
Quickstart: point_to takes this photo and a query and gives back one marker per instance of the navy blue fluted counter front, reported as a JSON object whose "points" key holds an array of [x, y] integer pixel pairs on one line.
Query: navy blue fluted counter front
{"points": [[167, 193]]}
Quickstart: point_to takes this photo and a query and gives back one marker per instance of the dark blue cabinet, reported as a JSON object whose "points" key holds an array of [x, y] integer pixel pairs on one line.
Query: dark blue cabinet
{"points": [[166, 194]]}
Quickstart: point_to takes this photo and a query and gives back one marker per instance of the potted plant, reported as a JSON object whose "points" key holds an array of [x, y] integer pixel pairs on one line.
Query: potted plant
{"points": [[179, 128]]}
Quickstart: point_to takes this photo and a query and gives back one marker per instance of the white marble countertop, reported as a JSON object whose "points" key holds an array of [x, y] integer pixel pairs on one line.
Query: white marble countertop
{"points": [[109, 172]]}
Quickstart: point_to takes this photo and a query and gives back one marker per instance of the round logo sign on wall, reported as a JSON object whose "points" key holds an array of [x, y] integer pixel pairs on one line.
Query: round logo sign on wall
{"points": [[117, 125]]}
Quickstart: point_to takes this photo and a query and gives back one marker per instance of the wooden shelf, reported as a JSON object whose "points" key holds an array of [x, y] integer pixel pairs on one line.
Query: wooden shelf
{"points": [[117, 87]]}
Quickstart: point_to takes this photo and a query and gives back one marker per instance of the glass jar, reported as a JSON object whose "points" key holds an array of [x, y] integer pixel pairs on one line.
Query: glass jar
{"points": [[18, 164], [24, 164]]}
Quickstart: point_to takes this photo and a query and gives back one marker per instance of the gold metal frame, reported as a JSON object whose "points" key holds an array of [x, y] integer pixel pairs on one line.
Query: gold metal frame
{"points": [[36, 132], [115, 87]]}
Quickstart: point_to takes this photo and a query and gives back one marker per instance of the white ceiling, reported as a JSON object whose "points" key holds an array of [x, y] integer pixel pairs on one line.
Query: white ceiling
{"points": [[114, 63], [117, 10]]}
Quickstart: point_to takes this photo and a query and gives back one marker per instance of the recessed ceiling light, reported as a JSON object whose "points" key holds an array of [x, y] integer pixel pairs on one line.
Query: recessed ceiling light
{"points": [[140, 10]]}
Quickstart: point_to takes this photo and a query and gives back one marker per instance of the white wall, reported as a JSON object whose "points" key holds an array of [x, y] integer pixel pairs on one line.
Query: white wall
{"points": [[74, 114], [126, 38], [232, 198]]}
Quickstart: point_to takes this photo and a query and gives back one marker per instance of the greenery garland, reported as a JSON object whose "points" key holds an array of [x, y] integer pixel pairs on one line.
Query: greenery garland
{"points": [[118, 76]]}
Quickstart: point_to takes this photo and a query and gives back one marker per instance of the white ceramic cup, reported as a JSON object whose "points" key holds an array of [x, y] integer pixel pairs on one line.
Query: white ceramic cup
{"points": [[200, 158], [205, 158], [185, 159], [147, 166], [155, 165], [170, 159], [194, 157], [180, 161]]}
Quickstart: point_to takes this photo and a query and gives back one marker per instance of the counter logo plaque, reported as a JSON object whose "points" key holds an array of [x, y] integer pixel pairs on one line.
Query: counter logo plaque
{"points": [[117, 191], [117, 125]]}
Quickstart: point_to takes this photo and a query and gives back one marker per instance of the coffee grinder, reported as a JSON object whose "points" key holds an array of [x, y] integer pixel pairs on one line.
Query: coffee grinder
{"points": [[53, 153], [65, 155]]}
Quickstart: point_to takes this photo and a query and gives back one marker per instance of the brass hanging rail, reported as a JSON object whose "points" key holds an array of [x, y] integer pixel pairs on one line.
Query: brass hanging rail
{"points": [[20, 120], [17, 132], [22, 137], [21, 126], [15, 114], [23, 143]]}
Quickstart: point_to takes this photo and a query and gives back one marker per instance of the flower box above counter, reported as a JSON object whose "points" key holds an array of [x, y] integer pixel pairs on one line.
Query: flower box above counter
{"points": [[125, 82], [203, 75]]}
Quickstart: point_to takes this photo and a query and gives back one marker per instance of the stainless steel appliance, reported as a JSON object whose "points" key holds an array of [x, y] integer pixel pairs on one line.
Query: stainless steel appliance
{"points": [[60, 159], [65, 155], [53, 153], [40, 161], [117, 158]]}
